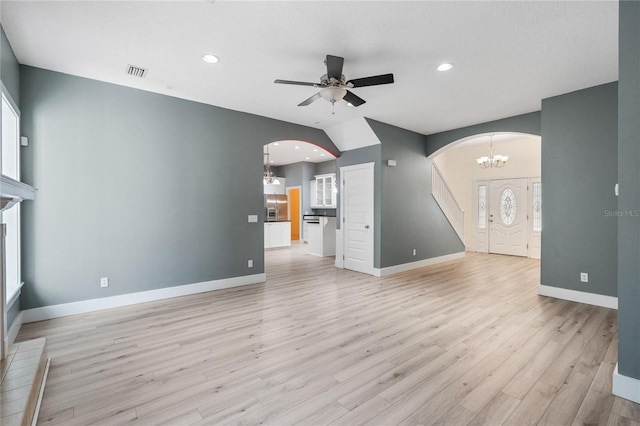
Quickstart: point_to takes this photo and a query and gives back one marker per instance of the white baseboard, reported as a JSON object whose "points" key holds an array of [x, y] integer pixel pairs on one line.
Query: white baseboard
{"points": [[73, 308], [579, 296], [15, 328], [383, 272], [626, 387]]}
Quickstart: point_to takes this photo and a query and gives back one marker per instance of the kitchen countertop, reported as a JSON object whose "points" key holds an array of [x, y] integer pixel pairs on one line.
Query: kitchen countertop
{"points": [[276, 221], [314, 216]]}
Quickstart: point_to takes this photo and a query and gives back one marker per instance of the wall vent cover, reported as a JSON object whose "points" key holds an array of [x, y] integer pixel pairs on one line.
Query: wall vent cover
{"points": [[136, 71]]}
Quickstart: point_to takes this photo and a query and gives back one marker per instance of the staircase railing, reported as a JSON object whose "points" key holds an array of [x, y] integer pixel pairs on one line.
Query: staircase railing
{"points": [[447, 202]]}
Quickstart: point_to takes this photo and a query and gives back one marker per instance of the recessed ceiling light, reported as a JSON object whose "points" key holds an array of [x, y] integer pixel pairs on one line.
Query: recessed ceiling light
{"points": [[296, 147], [315, 149], [212, 59], [276, 143], [272, 161], [444, 67], [306, 158], [321, 155]]}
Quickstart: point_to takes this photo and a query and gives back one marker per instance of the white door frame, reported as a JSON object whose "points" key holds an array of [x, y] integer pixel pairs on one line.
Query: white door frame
{"points": [[483, 246], [4, 343], [363, 166]]}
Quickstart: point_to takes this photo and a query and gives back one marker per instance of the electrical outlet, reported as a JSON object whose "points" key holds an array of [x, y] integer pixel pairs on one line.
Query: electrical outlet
{"points": [[104, 282], [414, 252], [250, 263], [584, 277]]}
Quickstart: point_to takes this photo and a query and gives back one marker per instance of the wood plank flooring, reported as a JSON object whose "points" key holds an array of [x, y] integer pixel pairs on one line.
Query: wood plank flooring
{"points": [[464, 342]]}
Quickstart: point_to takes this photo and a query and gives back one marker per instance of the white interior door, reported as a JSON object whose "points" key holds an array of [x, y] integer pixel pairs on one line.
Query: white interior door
{"points": [[357, 217], [508, 217]]}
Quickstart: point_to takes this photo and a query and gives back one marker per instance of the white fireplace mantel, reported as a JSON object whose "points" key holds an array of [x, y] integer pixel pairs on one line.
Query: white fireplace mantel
{"points": [[13, 192]]}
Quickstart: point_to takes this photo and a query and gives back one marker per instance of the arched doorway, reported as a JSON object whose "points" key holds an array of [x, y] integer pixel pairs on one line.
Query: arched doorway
{"points": [[290, 170], [500, 201]]}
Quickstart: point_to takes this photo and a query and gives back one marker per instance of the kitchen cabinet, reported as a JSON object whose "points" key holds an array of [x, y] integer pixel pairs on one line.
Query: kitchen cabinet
{"points": [[322, 236], [324, 191], [271, 188], [305, 231], [313, 195], [277, 234]]}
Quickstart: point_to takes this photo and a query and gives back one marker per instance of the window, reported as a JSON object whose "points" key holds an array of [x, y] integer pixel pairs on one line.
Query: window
{"points": [[11, 217], [537, 206], [482, 206], [507, 207]]}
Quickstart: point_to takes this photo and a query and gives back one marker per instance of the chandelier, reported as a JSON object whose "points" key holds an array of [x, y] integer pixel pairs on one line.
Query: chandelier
{"points": [[493, 160], [268, 177]]}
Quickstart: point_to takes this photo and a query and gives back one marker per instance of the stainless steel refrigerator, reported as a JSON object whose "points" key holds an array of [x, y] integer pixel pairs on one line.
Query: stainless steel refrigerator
{"points": [[277, 208]]}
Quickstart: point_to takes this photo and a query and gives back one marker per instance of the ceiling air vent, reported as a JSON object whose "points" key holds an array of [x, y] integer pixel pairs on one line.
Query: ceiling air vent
{"points": [[136, 71]]}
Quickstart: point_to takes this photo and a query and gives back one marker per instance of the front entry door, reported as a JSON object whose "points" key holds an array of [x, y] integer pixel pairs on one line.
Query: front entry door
{"points": [[357, 214], [508, 217]]}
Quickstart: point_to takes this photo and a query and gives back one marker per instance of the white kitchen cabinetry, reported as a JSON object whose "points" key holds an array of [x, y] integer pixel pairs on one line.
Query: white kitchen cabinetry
{"points": [[313, 195], [322, 237], [270, 188], [277, 234], [324, 191], [305, 232]]}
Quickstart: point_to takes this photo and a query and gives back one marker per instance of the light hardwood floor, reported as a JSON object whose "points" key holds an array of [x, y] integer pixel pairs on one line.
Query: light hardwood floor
{"points": [[465, 342]]}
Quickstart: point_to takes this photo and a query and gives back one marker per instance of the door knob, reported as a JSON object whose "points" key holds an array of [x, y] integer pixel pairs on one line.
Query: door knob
{"points": [[366, 227]]}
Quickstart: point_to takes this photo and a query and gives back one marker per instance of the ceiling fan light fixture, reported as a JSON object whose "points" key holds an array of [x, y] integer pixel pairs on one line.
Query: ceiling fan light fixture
{"points": [[333, 94], [444, 67], [211, 59]]}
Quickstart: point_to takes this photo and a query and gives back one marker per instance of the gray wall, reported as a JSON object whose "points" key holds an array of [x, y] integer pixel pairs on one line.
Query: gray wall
{"points": [[326, 167], [150, 190], [629, 200], [299, 174], [525, 123], [368, 154], [411, 219], [579, 172], [9, 68]]}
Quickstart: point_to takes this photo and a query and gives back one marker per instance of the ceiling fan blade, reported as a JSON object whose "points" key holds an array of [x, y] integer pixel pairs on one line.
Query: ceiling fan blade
{"points": [[353, 99], [372, 81], [297, 83], [334, 66], [311, 99]]}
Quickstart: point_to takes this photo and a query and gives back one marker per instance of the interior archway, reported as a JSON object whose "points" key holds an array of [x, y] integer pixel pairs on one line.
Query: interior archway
{"points": [[457, 163], [290, 168]]}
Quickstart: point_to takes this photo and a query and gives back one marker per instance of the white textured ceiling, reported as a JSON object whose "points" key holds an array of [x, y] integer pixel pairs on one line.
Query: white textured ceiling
{"points": [[507, 55], [293, 151]]}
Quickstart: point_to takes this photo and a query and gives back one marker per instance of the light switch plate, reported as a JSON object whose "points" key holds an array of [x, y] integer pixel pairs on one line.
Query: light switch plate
{"points": [[253, 218], [584, 277]]}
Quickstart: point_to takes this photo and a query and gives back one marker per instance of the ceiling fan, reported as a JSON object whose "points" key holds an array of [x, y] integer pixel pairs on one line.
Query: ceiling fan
{"points": [[336, 87]]}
